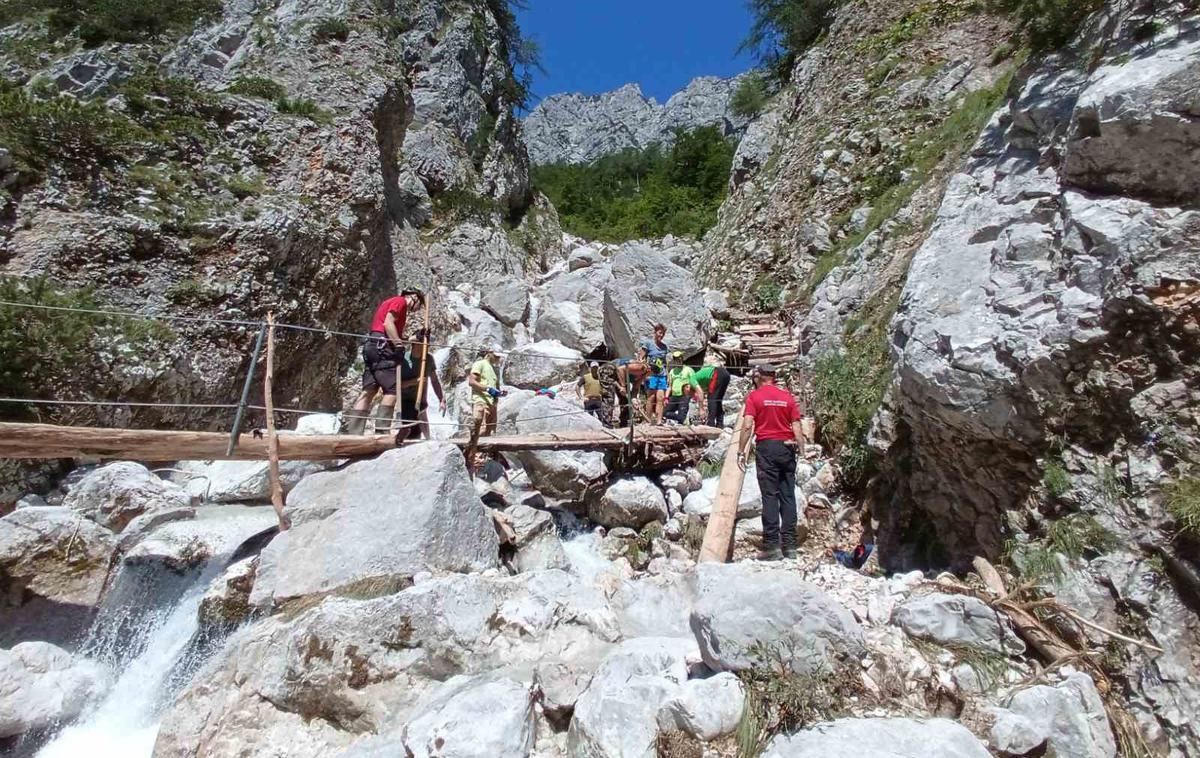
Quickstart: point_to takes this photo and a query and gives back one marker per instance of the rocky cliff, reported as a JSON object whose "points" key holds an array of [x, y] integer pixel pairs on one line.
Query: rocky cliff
{"points": [[575, 128], [302, 158]]}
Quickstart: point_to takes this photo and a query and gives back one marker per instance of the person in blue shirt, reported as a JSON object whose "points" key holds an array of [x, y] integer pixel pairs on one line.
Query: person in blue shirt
{"points": [[653, 353]]}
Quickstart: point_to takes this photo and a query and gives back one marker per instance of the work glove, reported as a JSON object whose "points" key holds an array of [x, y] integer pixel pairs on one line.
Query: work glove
{"points": [[494, 392]]}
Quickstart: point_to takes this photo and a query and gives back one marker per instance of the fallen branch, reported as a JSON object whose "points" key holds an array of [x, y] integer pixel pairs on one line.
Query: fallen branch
{"points": [[1115, 635]]}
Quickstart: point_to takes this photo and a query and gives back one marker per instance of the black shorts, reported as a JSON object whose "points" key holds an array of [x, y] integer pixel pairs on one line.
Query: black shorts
{"points": [[379, 361]]}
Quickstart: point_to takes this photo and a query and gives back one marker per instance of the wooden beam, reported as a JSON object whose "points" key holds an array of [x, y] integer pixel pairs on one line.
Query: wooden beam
{"points": [[277, 501], [49, 441], [718, 537]]}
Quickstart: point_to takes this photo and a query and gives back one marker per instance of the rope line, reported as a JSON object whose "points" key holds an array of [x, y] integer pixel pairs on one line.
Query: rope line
{"points": [[294, 327]]}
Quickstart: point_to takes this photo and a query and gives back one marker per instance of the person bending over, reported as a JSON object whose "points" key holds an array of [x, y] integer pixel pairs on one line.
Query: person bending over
{"points": [[415, 421], [381, 354], [683, 387]]}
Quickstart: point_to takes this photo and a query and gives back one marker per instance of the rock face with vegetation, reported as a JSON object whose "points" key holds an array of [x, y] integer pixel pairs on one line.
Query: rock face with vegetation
{"points": [[575, 128], [231, 159]]}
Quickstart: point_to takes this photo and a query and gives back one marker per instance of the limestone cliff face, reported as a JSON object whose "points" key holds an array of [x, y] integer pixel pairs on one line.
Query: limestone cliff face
{"points": [[331, 153], [575, 128]]}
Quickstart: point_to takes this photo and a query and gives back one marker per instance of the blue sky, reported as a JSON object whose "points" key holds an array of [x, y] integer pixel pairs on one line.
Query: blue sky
{"points": [[592, 46]]}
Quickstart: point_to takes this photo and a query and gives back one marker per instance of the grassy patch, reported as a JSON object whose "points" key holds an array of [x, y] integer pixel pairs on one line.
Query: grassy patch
{"points": [[258, 86], [304, 109], [1075, 536], [331, 28], [65, 131], [848, 388], [916, 23], [767, 294], [481, 140], [781, 701], [99, 21], [1056, 479], [1047, 24], [1183, 503], [457, 205], [242, 188]]}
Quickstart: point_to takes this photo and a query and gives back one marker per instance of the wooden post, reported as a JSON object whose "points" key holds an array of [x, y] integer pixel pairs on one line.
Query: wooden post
{"points": [[424, 363], [272, 435], [718, 537], [241, 411]]}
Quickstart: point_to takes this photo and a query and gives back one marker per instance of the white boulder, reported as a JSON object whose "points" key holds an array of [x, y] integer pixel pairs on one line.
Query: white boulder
{"points": [[631, 501], [115, 494]]}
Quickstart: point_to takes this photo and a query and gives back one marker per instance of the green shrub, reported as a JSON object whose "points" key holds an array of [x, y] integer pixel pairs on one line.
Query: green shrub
{"points": [[1079, 534], [1056, 479], [643, 193], [303, 108], [331, 28], [258, 86], [768, 294], [99, 21], [481, 140], [750, 97], [848, 387], [1048, 24], [52, 354], [781, 30], [242, 188], [1183, 502], [459, 205], [63, 130]]}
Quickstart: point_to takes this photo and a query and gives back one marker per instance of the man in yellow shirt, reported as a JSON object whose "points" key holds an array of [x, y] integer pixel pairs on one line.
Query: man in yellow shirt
{"points": [[485, 391], [682, 386], [589, 390]]}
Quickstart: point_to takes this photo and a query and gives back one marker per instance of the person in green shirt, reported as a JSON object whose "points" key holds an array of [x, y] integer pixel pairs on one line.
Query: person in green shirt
{"points": [[485, 392], [682, 386], [715, 381]]}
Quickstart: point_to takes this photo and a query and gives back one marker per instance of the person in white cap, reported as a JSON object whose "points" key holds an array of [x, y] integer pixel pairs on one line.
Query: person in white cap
{"points": [[589, 390]]}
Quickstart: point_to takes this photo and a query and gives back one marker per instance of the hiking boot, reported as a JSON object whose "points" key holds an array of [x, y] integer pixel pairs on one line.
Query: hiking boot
{"points": [[789, 553], [770, 554]]}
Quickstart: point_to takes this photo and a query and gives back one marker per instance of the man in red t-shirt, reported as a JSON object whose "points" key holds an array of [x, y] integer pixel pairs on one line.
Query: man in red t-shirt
{"points": [[773, 417], [381, 355]]}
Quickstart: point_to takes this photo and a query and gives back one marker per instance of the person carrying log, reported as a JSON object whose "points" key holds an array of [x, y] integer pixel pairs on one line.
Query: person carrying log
{"points": [[381, 354], [414, 420], [773, 417], [485, 394], [684, 386]]}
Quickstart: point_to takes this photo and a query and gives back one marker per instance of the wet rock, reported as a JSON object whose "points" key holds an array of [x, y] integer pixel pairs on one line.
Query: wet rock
{"points": [[537, 542], [891, 737], [186, 544], [42, 685], [55, 554], [631, 502], [226, 603], [115, 494], [957, 620], [705, 708], [744, 611], [379, 521], [648, 289], [1068, 719]]}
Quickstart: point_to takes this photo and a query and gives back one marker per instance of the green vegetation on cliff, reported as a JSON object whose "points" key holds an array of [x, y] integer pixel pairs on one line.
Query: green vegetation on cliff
{"points": [[783, 29], [643, 193], [99, 21]]}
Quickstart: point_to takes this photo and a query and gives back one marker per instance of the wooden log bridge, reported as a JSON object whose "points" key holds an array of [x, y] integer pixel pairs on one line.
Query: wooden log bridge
{"points": [[51, 441]]}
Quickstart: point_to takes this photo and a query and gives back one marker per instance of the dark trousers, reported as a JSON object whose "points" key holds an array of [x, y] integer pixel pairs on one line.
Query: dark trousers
{"points": [[776, 464], [594, 406], [716, 397], [678, 407]]}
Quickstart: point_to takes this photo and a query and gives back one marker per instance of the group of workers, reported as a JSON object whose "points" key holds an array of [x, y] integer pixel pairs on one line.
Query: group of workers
{"points": [[396, 368]]}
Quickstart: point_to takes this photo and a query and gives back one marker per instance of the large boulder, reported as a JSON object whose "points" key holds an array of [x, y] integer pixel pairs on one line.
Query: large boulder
{"points": [[705, 708], [115, 494], [957, 620], [507, 300], [617, 715], [561, 474], [379, 522], [657, 605], [240, 481], [1066, 720], [185, 544], [54, 553], [746, 615], [473, 717], [630, 501], [880, 738], [647, 289], [541, 364], [42, 685], [580, 327]]}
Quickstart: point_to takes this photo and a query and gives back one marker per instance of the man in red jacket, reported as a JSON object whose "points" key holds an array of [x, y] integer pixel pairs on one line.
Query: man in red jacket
{"points": [[773, 417], [381, 355]]}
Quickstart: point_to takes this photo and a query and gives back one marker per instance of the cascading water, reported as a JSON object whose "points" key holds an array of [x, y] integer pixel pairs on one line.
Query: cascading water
{"points": [[146, 634]]}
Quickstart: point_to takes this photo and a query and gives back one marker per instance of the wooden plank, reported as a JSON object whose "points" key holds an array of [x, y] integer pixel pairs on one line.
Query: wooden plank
{"points": [[718, 537], [276, 482], [756, 328], [28, 441]]}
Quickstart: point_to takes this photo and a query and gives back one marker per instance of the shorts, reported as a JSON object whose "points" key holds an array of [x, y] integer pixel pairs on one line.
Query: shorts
{"points": [[657, 383], [379, 370]]}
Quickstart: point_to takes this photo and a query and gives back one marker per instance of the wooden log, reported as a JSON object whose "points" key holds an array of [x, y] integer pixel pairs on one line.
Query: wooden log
{"points": [[272, 436], [1040, 638], [718, 537], [29, 441]]}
